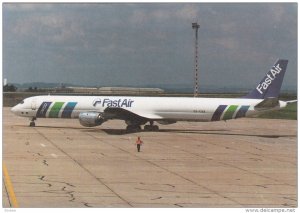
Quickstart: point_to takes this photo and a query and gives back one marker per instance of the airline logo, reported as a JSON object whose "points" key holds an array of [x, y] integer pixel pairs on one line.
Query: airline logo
{"points": [[230, 112], [271, 76], [107, 102], [67, 109]]}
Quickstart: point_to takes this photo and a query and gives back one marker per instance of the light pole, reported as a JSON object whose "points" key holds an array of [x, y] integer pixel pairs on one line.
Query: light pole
{"points": [[196, 26]]}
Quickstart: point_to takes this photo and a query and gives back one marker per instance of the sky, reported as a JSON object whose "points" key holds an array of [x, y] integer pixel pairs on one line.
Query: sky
{"points": [[141, 44]]}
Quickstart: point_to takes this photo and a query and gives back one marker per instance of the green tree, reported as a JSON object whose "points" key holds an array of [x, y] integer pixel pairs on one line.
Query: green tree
{"points": [[9, 88]]}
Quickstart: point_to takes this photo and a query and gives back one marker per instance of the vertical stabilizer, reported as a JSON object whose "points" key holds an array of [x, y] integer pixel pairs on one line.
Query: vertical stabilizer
{"points": [[270, 85]]}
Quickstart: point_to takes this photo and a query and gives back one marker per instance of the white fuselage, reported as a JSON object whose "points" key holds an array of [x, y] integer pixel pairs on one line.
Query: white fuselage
{"points": [[153, 108]]}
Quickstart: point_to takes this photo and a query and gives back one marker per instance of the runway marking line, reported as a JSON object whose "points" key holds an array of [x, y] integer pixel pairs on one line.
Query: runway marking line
{"points": [[9, 187]]}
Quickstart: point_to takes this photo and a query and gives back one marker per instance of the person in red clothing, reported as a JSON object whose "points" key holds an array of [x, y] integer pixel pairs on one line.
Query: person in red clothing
{"points": [[138, 143]]}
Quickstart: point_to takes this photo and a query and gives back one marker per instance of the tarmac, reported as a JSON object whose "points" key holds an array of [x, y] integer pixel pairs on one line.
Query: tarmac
{"points": [[239, 163]]}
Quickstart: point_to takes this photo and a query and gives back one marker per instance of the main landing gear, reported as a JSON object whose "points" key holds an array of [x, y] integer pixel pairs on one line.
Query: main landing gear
{"points": [[151, 127], [32, 123], [137, 128]]}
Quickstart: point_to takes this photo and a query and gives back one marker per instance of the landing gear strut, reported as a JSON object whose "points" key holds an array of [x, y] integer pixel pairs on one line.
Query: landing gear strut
{"points": [[32, 123], [151, 127]]}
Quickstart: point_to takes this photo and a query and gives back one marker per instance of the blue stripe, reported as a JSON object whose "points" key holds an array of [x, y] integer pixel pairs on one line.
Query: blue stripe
{"points": [[41, 113], [217, 114], [242, 112], [68, 110]]}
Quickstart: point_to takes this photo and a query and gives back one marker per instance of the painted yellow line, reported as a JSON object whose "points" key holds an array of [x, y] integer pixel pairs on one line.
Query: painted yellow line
{"points": [[9, 187]]}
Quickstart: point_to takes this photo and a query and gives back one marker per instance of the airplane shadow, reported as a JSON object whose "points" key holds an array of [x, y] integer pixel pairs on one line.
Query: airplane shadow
{"points": [[183, 131], [53, 127], [199, 132]]}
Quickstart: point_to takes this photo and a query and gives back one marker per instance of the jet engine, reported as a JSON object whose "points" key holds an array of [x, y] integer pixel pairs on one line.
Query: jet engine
{"points": [[90, 119]]}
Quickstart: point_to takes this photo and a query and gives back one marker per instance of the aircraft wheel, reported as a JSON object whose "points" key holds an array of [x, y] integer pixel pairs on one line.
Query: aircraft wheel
{"points": [[155, 128], [32, 124], [147, 128], [138, 128], [133, 128], [128, 128], [151, 128]]}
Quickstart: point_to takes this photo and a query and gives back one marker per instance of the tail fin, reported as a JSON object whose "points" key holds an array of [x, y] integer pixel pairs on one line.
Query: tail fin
{"points": [[270, 85]]}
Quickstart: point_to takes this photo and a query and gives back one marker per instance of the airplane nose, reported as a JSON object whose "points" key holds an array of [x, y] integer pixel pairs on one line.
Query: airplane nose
{"points": [[14, 109]]}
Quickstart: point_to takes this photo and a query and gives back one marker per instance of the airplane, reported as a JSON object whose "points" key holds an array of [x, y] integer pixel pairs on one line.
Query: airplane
{"points": [[136, 111]]}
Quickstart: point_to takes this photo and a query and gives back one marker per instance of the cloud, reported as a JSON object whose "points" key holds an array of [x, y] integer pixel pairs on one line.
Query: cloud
{"points": [[277, 11], [139, 17], [184, 12], [187, 12], [160, 14], [145, 38], [229, 43], [27, 7], [48, 28]]}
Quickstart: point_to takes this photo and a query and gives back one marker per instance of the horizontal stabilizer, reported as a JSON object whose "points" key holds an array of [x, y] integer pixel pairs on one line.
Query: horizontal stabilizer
{"points": [[268, 103], [292, 101]]}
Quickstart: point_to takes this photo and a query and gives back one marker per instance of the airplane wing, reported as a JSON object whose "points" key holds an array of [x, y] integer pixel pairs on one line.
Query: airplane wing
{"points": [[123, 114]]}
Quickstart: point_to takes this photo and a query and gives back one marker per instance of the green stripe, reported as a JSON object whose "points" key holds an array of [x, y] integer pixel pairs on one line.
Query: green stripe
{"points": [[55, 109], [229, 112]]}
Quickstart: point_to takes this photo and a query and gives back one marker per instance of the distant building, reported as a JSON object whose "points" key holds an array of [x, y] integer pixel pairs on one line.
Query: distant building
{"points": [[130, 90], [110, 90]]}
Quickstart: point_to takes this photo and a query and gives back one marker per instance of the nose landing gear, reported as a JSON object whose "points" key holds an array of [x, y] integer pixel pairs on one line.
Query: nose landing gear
{"points": [[32, 123]]}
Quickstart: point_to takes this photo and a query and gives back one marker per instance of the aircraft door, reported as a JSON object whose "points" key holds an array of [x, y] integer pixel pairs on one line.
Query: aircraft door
{"points": [[33, 104]]}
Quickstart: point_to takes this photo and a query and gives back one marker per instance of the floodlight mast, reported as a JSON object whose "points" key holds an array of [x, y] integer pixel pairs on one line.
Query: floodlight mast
{"points": [[196, 26]]}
